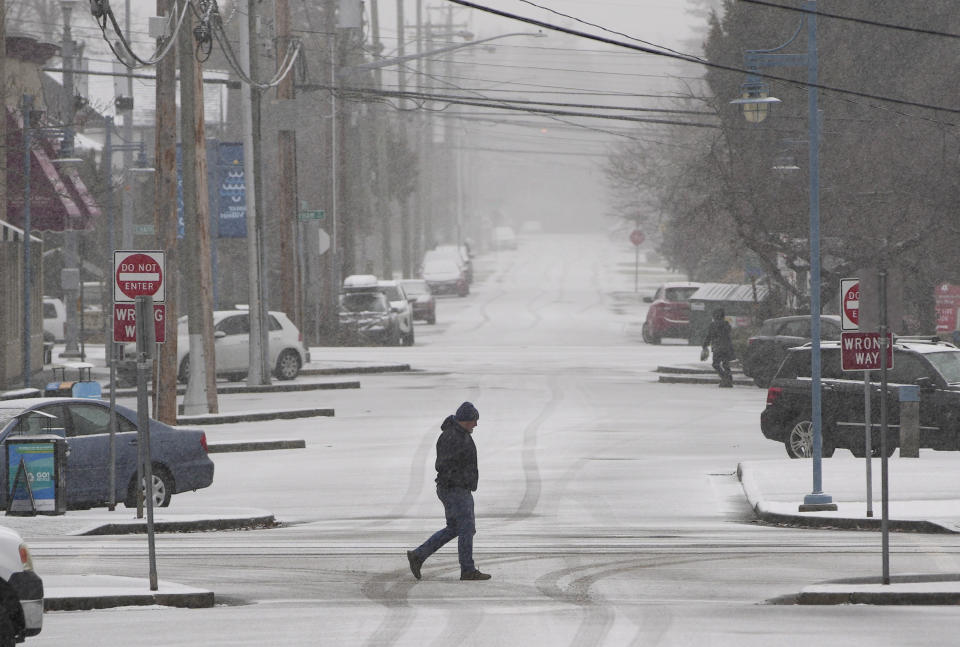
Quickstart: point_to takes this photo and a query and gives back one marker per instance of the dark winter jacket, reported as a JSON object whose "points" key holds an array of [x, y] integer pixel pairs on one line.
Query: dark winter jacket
{"points": [[11, 615], [456, 457], [718, 338]]}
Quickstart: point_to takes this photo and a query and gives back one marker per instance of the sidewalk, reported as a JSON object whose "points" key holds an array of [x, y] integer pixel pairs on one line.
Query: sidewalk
{"points": [[81, 592], [924, 496]]}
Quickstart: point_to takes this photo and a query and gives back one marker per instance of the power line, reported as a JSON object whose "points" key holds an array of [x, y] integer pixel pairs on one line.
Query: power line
{"points": [[361, 92], [691, 59], [863, 21]]}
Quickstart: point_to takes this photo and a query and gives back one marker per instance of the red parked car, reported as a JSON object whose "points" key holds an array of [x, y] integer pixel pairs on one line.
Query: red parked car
{"points": [[669, 312]]}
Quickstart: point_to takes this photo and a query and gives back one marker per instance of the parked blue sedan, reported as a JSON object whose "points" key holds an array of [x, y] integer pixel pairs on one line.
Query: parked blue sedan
{"points": [[179, 456]]}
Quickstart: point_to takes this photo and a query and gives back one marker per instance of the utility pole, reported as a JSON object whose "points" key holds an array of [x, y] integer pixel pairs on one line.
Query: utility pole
{"points": [[196, 217], [287, 204], [429, 164], [405, 253], [416, 233], [165, 218], [126, 196], [257, 373], [70, 275], [331, 260], [380, 147]]}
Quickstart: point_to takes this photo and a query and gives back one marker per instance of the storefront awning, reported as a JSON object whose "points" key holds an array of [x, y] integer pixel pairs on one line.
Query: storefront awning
{"points": [[59, 200]]}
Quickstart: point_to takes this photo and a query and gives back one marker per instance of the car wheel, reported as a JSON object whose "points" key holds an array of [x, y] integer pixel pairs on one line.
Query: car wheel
{"points": [[288, 365], [409, 337], [648, 336], [799, 442], [183, 375], [162, 488], [432, 319]]}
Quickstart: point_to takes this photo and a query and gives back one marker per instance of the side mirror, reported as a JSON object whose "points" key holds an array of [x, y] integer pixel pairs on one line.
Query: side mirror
{"points": [[219, 334], [648, 299], [926, 384]]}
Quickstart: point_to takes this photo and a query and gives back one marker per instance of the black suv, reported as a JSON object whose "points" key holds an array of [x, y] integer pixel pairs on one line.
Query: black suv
{"points": [[767, 348], [932, 365]]}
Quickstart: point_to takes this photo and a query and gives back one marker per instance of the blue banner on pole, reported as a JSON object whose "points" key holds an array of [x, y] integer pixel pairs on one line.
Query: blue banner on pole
{"points": [[231, 191], [227, 191]]}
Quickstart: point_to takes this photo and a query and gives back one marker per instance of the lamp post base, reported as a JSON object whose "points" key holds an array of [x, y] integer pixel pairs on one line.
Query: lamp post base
{"points": [[817, 502]]}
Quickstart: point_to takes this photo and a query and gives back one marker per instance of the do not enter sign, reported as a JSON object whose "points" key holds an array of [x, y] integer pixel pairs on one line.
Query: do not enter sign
{"points": [[636, 237], [850, 304], [138, 274]]}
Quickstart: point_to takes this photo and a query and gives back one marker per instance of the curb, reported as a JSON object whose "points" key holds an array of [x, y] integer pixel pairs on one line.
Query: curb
{"points": [[139, 526], [228, 389], [878, 598], [254, 446], [687, 379], [224, 418], [387, 368], [754, 500], [198, 600]]}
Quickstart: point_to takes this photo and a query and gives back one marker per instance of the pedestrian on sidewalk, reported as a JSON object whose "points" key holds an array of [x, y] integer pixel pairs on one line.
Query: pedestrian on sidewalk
{"points": [[718, 340], [457, 477]]}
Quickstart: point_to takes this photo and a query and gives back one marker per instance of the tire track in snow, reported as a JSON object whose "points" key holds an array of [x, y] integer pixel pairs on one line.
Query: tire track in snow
{"points": [[531, 468]]}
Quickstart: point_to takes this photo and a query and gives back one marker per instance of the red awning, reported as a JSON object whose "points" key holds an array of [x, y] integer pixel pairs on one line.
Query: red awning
{"points": [[59, 200]]}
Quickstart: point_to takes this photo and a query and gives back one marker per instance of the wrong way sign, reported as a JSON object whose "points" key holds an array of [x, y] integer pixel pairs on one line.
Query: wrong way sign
{"points": [[849, 304], [125, 322], [860, 351], [138, 273]]}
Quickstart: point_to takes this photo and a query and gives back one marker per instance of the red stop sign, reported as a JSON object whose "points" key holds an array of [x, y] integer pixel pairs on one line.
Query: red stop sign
{"points": [[637, 237], [139, 274]]}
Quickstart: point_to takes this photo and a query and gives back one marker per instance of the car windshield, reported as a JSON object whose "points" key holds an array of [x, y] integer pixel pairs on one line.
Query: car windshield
{"points": [[364, 302], [8, 414], [947, 364], [392, 292], [441, 267], [679, 294]]}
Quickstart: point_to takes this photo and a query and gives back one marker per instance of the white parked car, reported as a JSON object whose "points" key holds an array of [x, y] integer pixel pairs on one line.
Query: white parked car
{"points": [[457, 253], [54, 317], [16, 567], [504, 237], [444, 276], [231, 332]]}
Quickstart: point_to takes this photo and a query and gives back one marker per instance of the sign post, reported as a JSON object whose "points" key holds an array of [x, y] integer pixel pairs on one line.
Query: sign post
{"points": [[850, 321]]}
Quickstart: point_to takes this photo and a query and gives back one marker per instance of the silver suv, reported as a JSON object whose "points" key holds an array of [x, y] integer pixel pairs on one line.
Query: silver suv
{"points": [[400, 303]]}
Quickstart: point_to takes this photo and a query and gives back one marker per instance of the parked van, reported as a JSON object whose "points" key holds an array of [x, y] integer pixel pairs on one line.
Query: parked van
{"points": [[54, 317]]}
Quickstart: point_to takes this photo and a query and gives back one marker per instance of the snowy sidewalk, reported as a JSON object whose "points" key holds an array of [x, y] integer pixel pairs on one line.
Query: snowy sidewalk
{"points": [[923, 496]]}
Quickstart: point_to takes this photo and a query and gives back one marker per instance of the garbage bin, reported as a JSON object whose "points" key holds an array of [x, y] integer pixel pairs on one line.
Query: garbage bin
{"points": [[35, 474], [740, 303]]}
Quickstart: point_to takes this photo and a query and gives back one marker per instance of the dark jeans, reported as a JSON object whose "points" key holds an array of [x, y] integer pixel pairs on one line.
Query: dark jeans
{"points": [[721, 364], [458, 509]]}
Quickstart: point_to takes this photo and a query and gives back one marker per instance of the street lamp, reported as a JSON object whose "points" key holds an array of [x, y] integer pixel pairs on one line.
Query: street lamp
{"points": [[755, 103], [28, 131]]}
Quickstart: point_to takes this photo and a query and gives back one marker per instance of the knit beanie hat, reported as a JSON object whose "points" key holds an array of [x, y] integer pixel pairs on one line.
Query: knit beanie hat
{"points": [[466, 412]]}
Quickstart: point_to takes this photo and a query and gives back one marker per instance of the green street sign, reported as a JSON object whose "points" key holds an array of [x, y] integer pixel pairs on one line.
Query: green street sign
{"points": [[144, 230], [316, 214]]}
